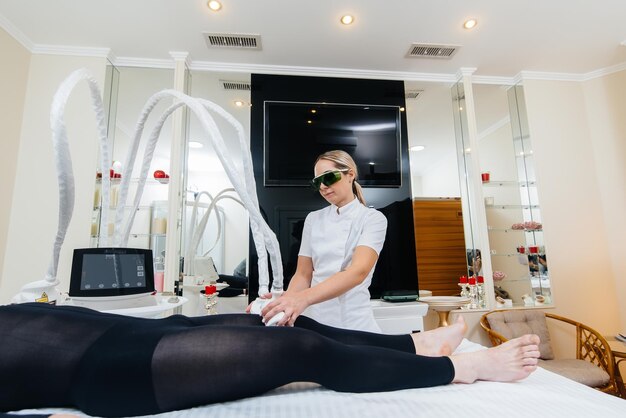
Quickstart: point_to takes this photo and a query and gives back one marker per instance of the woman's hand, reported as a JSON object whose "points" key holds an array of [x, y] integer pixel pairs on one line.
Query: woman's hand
{"points": [[291, 303]]}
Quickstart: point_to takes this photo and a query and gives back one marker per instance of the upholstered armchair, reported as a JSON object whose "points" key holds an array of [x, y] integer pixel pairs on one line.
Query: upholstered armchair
{"points": [[593, 365]]}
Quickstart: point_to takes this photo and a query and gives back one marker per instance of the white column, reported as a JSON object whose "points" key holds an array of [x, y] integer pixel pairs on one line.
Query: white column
{"points": [[175, 191]]}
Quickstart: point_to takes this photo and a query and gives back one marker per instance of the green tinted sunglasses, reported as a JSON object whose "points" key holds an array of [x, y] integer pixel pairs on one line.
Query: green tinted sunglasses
{"points": [[328, 178]]}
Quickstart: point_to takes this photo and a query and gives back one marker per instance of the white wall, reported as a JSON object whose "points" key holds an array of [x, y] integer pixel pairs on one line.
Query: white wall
{"points": [[605, 100], [34, 207], [570, 192], [16, 60]]}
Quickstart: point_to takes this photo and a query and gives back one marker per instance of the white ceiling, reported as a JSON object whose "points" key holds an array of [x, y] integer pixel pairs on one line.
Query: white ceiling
{"points": [[566, 36]]}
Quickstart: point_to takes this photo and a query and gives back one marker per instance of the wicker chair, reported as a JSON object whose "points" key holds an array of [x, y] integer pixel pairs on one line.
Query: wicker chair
{"points": [[593, 366]]}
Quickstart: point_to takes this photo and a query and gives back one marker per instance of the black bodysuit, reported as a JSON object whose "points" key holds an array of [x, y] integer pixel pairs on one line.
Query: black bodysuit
{"points": [[111, 365]]}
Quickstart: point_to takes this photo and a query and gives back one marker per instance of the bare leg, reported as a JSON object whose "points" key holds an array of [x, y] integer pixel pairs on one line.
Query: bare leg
{"points": [[513, 360], [440, 341]]}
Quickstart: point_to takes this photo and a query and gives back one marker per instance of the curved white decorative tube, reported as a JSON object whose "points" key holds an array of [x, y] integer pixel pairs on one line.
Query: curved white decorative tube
{"points": [[65, 175], [270, 240], [199, 231], [262, 235], [220, 227], [192, 227], [190, 255]]}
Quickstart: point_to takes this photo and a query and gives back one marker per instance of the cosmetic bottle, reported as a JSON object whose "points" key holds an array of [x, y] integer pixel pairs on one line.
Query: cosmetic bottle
{"points": [[210, 299], [473, 295], [159, 274], [480, 291], [464, 289]]}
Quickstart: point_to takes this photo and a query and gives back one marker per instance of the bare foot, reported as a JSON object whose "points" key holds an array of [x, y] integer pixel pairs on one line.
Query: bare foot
{"points": [[513, 360], [440, 341]]}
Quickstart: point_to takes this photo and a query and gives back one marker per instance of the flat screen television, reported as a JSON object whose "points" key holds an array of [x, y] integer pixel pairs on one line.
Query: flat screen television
{"points": [[295, 133]]}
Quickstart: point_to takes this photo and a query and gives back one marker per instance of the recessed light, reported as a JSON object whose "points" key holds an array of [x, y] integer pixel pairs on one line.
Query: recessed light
{"points": [[239, 103], [313, 111], [347, 19], [195, 144], [309, 122], [470, 24], [214, 5], [417, 148], [401, 109]]}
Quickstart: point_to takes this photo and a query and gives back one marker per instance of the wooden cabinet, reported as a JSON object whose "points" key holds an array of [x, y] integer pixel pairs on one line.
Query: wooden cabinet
{"points": [[439, 245]]}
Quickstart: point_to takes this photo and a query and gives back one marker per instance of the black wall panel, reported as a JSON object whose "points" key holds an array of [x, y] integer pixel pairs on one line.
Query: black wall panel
{"points": [[285, 207]]}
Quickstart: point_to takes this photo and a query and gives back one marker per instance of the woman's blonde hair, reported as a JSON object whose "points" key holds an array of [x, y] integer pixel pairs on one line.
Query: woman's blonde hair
{"points": [[342, 160]]}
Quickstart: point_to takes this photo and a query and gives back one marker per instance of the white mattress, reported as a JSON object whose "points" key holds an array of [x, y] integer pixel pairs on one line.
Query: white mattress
{"points": [[543, 394]]}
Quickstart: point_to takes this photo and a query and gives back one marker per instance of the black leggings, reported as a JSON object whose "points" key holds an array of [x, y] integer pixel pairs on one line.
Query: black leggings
{"points": [[110, 365]]}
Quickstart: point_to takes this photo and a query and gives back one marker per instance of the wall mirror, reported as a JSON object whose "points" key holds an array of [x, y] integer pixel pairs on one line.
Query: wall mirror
{"points": [[225, 238], [126, 92], [467, 172], [446, 244], [509, 189], [440, 235]]}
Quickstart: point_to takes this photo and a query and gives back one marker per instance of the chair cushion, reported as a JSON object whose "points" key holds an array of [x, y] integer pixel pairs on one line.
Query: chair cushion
{"points": [[513, 324], [580, 371]]}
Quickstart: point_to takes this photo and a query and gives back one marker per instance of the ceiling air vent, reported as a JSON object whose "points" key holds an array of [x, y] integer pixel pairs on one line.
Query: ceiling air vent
{"points": [[233, 40], [412, 94], [235, 85], [432, 51]]}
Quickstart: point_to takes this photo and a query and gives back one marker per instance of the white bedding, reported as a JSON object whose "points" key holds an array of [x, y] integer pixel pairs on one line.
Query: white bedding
{"points": [[543, 394]]}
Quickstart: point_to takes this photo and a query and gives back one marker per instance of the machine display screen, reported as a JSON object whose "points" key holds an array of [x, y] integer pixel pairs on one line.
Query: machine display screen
{"points": [[111, 272]]}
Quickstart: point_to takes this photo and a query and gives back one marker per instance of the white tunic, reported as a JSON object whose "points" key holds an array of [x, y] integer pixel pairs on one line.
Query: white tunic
{"points": [[327, 239]]}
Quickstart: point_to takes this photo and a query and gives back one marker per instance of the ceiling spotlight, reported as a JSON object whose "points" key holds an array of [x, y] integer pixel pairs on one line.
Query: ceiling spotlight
{"points": [[470, 24], [239, 103], [309, 122], [417, 148], [195, 144], [347, 19], [313, 111], [214, 5], [401, 109]]}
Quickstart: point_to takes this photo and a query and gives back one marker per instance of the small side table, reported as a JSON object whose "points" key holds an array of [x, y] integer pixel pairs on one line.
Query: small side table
{"points": [[443, 305], [619, 353]]}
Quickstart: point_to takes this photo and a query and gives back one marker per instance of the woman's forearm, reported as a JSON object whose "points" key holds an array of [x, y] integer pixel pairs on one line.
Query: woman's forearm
{"points": [[336, 285], [298, 283]]}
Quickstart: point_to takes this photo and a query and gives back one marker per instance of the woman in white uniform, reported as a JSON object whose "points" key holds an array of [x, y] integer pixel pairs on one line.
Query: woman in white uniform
{"points": [[339, 249]]}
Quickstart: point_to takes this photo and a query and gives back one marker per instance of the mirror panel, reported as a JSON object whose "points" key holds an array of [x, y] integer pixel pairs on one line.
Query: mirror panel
{"points": [[205, 172], [127, 90], [510, 196], [467, 173], [436, 190], [434, 122]]}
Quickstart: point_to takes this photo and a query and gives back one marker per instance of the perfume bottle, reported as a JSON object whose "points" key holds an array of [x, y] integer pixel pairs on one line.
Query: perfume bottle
{"points": [[464, 289], [480, 290], [473, 295]]}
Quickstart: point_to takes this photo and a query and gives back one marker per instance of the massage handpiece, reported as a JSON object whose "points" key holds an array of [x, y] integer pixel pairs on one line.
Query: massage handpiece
{"points": [[259, 304]]}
